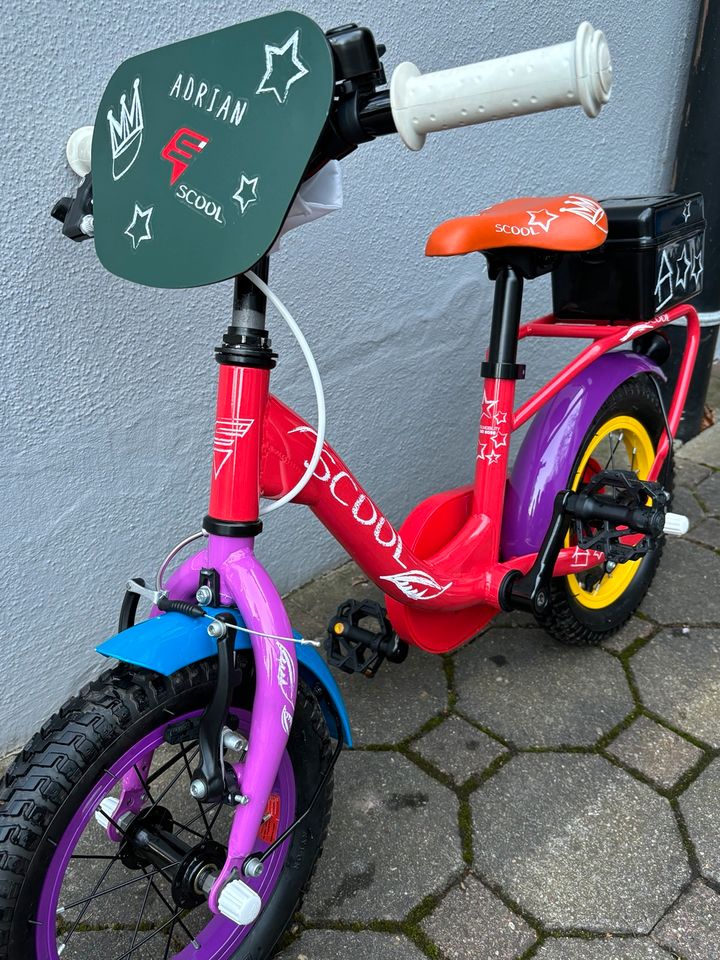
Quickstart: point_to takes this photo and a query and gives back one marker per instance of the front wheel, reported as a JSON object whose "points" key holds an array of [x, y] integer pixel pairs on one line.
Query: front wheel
{"points": [[67, 890], [586, 609]]}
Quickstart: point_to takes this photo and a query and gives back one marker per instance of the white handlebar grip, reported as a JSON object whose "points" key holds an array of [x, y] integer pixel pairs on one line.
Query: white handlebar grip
{"points": [[79, 150], [564, 75]]}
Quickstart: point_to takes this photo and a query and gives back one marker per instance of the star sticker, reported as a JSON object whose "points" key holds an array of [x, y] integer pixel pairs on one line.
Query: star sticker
{"points": [[698, 269], [246, 193], [493, 456], [681, 281], [140, 217], [500, 440], [501, 417], [686, 210], [481, 454], [548, 219], [266, 86]]}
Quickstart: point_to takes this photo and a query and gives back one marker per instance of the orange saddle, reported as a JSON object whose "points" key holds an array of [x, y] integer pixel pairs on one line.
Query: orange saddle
{"points": [[568, 223]]}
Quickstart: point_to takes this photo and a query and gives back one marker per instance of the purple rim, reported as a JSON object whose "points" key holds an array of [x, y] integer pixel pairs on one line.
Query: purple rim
{"points": [[220, 937]]}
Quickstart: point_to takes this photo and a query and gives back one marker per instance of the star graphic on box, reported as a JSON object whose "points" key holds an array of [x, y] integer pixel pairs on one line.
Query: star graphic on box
{"points": [[139, 227], [684, 266], [290, 60], [541, 218], [246, 193], [698, 269]]}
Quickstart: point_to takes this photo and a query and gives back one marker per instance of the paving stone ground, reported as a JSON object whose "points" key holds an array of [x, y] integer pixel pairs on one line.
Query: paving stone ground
{"points": [[522, 800]]}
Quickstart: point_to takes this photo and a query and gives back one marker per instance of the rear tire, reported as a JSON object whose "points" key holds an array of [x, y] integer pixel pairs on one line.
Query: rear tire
{"points": [[579, 617], [56, 772]]}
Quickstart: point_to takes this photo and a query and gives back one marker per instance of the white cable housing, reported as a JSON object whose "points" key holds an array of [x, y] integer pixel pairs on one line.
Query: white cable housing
{"points": [[319, 395], [563, 75]]}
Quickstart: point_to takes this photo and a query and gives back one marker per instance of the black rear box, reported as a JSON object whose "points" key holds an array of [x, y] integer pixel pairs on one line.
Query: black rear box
{"points": [[651, 261]]}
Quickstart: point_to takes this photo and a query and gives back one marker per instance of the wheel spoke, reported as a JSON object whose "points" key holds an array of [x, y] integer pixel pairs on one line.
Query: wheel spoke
{"points": [[78, 920], [169, 940], [197, 815], [172, 920], [190, 936], [93, 856], [163, 769], [148, 888], [95, 895], [214, 818], [144, 784], [170, 785]]}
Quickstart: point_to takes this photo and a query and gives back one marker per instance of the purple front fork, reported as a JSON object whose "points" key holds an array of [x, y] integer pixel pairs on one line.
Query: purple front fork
{"points": [[245, 583]]}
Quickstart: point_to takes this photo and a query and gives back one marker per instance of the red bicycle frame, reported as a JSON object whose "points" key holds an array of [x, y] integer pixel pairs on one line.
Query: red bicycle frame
{"points": [[442, 571]]}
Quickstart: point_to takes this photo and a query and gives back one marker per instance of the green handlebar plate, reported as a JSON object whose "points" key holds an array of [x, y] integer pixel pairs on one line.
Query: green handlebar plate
{"points": [[199, 148]]}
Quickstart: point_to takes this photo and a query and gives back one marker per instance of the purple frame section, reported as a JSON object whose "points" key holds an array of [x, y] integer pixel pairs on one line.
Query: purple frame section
{"points": [[245, 583], [545, 459]]}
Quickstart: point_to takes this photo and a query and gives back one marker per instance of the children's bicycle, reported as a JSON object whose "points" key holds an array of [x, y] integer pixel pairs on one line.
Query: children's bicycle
{"points": [[177, 806]]}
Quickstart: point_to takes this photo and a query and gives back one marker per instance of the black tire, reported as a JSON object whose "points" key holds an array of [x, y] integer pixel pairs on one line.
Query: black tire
{"points": [[62, 762], [567, 620]]}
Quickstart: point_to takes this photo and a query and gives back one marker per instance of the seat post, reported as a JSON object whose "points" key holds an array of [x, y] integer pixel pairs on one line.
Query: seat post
{"points": [[502, 354]]}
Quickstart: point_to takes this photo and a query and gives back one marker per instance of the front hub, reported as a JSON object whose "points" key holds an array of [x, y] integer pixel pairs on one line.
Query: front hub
{"points": [[149, 841]]}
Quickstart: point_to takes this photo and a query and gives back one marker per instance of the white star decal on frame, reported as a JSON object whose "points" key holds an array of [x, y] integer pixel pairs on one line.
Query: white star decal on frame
{"points": [[140, 221], [266, 84], [246, 193], [541, 218]]}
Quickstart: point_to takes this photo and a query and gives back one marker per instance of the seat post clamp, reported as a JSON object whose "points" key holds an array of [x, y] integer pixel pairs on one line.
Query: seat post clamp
{"points": [[502, 371]]}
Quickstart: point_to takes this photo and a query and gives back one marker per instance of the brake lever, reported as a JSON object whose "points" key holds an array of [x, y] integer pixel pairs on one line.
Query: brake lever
{"points": [[75, 213]]}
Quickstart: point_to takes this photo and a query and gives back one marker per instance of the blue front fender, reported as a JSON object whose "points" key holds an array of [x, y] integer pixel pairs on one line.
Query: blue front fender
{"points": [[172, 641]]}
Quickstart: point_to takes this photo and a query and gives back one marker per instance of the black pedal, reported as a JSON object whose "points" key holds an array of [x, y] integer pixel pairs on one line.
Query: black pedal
{"points": [[360, 637], [612, 505]]}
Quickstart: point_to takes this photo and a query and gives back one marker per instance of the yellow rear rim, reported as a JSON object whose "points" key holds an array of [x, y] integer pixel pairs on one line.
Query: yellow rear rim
{"points": [[622, 443]]}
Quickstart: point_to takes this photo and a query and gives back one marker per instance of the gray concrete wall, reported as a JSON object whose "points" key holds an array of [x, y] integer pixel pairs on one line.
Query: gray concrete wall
{"points": [[107, 389]]}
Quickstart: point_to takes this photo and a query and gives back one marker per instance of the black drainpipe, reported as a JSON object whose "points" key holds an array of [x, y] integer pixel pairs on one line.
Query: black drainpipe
{"points": [[697, 167]]}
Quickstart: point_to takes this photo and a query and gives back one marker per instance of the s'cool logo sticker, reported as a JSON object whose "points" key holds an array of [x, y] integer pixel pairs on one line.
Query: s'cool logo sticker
{"points": [[198, 201], [283, 68], [286, 719], [126, 132], [286, 673], [180, 148], [227, 433], [417, 584]]}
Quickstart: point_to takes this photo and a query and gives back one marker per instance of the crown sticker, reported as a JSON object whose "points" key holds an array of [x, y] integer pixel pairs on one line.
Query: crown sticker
{"points": [[126, 132]]}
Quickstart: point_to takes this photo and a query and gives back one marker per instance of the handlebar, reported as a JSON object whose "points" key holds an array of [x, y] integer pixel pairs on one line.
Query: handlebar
{"points": [[563, 75]]}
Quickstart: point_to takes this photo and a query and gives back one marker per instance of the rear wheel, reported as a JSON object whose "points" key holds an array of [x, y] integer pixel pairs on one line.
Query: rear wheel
{"points": [[585, 609], [67, 889]]}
